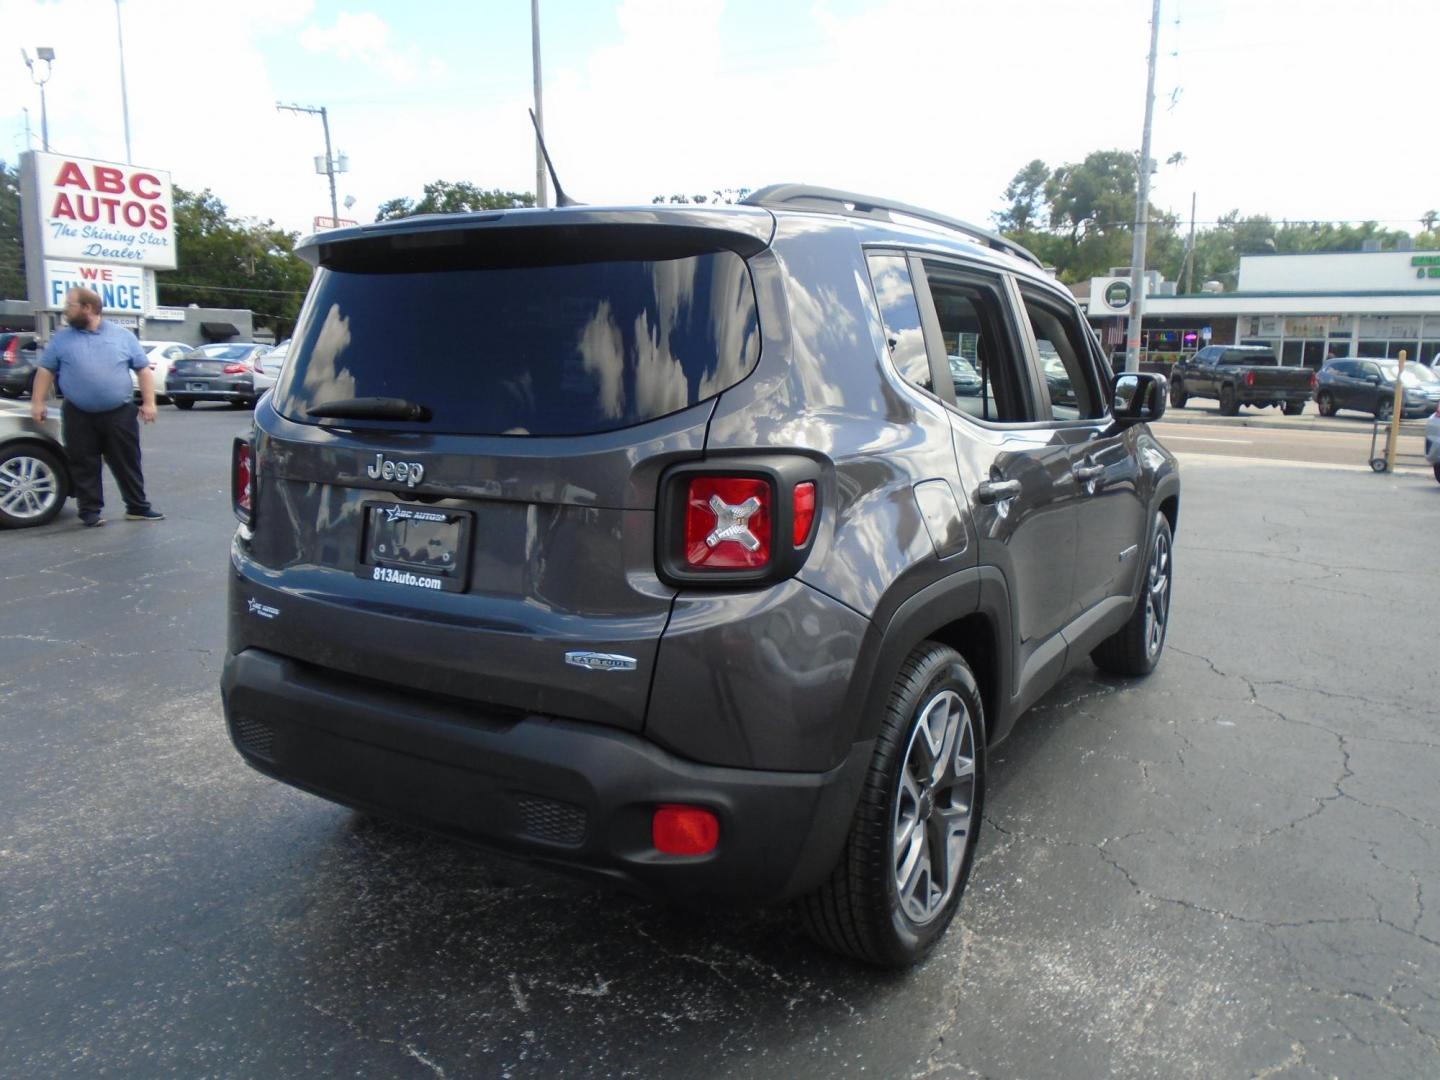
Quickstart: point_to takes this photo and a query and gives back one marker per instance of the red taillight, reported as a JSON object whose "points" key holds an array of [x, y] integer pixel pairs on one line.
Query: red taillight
{"points": [[684, 830], [1249, 378], [804, 511], [727, 523], [235, 369], [259, 367], [242, 480], [1314, 379], [11, 352]]}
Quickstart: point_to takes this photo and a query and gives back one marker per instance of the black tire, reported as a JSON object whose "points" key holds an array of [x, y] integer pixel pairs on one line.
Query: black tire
{"points": [[1293, 408], [33, 485], [1229, 401], [6, 391], [864, 910], [1178, 396], [184, 403], [1325, 403], [1135, 648]]}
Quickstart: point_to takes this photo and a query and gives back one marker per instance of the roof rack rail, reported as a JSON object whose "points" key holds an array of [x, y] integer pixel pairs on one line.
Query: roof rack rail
{"points": [[848, 203]]}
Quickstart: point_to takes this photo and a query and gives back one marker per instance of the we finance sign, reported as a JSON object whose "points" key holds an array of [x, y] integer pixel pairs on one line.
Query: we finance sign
{"points": [[99, 211], [122, 289]]}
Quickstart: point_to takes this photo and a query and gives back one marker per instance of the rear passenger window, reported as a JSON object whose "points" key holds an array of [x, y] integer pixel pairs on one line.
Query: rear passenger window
{"points": [[901, 315], [985, 365], [1064, 357]]}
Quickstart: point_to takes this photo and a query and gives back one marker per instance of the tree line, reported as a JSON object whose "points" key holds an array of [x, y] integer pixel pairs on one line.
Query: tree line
{"points": [[1077, 217]]}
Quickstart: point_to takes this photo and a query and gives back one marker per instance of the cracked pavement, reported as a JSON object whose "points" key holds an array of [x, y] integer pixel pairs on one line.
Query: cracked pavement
{"points": [[1228, 869]]}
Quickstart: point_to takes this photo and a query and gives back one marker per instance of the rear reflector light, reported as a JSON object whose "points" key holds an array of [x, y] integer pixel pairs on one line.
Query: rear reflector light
{"points": [[727, 523], [684, 830], [242, 480], [804, 511], [235, 369]]}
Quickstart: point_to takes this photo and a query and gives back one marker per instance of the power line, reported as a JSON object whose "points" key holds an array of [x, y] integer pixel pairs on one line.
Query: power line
{"points": [[228, 288]]}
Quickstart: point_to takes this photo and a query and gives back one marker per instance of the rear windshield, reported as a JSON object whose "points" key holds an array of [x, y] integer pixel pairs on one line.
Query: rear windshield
{"points": [[554, 349]]}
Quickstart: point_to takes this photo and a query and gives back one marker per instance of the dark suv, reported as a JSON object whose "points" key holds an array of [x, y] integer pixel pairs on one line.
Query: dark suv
{"points": [[658, 543]]}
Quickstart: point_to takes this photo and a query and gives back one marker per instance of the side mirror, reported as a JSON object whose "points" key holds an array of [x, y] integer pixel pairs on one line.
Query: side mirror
{"points": [[1373, 380], [1139, 396]]}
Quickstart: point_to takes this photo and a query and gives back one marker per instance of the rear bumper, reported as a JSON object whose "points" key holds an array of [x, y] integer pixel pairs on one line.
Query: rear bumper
{"points": [[571, 794], [178, 389]]}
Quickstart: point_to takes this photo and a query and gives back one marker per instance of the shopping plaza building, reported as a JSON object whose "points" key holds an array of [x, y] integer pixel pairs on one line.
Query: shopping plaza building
{"points": [[1307, 307]]}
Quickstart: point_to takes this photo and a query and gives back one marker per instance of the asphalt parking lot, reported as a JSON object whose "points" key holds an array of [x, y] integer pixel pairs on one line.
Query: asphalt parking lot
{"points": [[1228, 869]]}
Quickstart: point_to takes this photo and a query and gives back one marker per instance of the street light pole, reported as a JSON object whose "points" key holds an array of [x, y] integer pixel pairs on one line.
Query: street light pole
{"points": [[124, 93], [45, 55], [1142, 211], [540, 197]]}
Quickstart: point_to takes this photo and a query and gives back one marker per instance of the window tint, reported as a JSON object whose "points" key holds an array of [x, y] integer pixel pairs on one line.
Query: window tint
{"points": [[536, 349], [985, 367], [901, 315], [1064, 362]]}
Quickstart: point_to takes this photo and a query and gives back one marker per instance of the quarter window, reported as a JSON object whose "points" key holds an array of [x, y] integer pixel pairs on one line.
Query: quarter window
{"points": [[901, 316]]}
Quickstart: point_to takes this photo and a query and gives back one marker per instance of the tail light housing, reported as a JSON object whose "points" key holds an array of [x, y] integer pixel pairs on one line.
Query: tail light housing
{"points": [[1314, 379], [234, 369], [259, 367], [1249, 378], [242, 480], [12, 351], [737, 521]]}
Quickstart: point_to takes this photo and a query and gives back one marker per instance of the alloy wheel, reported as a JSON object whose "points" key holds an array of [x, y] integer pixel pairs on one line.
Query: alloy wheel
{"points": [[29, 487], [934, 805], [1157, 595]]}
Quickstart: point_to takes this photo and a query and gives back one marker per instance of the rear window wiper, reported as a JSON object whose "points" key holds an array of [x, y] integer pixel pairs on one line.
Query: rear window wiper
{"points": [[370, 408]]}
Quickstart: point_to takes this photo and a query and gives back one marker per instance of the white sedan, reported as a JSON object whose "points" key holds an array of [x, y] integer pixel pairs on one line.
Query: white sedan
{"points": [[160, 354]]}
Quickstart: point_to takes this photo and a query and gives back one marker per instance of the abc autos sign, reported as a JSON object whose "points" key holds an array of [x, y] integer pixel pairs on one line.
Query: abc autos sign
{"points": [[100, 211]]}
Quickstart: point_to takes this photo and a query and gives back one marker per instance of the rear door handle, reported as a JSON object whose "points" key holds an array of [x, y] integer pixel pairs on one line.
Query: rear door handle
{"points": [[994, 491]]}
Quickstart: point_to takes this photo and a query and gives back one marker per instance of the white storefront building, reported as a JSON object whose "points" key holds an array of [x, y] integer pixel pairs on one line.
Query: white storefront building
{"points": [[1307, 307]]}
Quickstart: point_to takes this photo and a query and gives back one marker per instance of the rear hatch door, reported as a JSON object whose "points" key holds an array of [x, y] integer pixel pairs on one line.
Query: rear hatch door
{"points": [[492, 538]]}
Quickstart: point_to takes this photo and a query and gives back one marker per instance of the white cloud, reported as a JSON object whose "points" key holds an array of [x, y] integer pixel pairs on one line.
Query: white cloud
{"points": [[367, 38]]}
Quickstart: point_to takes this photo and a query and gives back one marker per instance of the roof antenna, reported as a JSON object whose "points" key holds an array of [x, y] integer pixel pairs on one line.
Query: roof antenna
{"points": [[561, 199]]}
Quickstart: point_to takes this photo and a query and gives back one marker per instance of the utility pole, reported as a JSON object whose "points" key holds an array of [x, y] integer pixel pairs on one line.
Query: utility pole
{"points": [[44, 55], [1142, 211], [540, 197], [331, 168], [1186, 277], [124, 94]]}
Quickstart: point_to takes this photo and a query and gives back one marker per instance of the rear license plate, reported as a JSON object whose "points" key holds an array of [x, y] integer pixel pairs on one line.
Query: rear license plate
{"points": [[197, 386], [416, 546]]}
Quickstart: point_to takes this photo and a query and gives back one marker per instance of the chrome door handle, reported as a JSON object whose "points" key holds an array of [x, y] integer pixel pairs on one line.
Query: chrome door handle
{"points": [[994, 491], [1087, 473]]}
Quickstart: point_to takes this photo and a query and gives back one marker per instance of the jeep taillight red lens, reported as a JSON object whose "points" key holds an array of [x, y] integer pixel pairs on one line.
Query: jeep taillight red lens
{"points": [[242, 480], [727, 523], [804, 512], [684, 830]]}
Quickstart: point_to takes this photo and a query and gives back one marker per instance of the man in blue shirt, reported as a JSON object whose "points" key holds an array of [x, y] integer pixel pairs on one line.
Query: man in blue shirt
{"points": [[92, 361]]}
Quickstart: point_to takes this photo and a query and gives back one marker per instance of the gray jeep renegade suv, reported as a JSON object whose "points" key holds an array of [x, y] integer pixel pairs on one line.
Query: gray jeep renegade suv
{"points": [[658, 543]]}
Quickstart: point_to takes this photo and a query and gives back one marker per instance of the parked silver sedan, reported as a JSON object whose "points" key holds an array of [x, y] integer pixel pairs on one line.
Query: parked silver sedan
{"points": [[1432, 441]]}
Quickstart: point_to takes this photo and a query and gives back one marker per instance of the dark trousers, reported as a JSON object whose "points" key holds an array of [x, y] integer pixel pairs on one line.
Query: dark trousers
{"points": [[113, 435]]}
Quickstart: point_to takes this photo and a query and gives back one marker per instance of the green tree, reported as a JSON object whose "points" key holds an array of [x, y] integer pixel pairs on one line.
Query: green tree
{"points": [[717, 197], [444, 197], [225, 261], [1026, 207], [12, 248]]}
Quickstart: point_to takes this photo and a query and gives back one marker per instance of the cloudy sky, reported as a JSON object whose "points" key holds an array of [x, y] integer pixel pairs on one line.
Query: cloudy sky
{"points": [[1313, 110]]}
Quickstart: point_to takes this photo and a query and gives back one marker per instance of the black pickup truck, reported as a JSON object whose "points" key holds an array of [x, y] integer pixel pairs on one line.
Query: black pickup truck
{"points": [[1238, 375]]}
